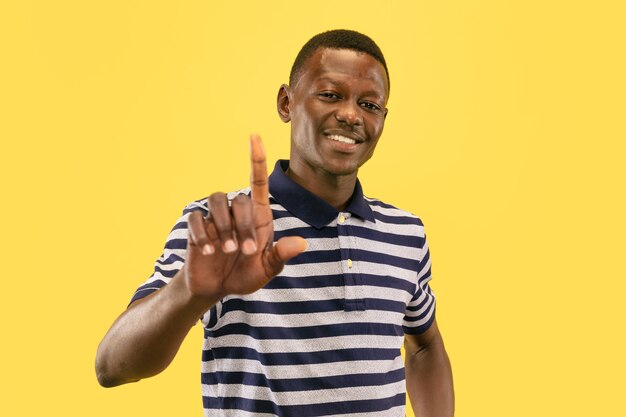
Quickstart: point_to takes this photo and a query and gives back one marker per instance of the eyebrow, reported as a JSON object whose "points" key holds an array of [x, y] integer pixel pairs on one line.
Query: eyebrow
{"points": [[330, 80], [339, 83]]}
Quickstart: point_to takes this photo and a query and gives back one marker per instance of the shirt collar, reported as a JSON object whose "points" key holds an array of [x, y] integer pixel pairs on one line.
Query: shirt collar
{"points": [[307, 206]]}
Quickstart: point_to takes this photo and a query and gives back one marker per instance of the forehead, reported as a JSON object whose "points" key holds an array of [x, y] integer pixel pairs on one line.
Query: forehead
{"points": [[345, 65]]}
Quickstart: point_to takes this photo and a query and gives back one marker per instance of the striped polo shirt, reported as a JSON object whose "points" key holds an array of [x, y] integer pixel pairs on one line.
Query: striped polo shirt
{"points": [[323, 338]]}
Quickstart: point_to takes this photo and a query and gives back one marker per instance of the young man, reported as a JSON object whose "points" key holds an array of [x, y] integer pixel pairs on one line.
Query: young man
{"points": [[306, 288]]}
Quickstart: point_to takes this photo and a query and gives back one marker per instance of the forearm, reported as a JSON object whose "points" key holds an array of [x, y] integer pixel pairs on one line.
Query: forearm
{"points": [[144, 340], [429, 381]]}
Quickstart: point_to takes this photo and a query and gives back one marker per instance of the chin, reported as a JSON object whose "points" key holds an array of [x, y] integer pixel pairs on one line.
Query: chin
{"points": [[340, 169]]}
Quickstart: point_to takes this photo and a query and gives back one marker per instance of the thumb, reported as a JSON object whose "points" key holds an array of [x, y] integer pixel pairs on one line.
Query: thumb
{"points": [[285, 249]]}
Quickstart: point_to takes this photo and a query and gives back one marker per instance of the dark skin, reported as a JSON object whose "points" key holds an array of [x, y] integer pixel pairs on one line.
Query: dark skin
{"points": [[144, 340], [337, 112], [343, 94]]}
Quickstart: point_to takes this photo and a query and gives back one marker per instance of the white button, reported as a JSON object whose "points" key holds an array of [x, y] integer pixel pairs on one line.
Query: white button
{"points": [[342, 219], [349, 263]]}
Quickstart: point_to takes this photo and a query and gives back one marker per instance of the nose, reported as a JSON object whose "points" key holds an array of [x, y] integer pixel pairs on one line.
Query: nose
{"points": [[349, 113]]}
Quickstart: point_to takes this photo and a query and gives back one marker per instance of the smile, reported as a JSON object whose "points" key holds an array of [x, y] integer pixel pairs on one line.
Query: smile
{"points": [[342, 139]]}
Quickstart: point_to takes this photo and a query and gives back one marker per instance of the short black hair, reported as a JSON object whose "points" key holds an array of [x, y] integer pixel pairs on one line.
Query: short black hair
{"points": [[336, 39]]}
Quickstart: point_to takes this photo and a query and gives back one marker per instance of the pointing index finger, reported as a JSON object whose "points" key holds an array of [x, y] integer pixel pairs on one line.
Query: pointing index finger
{"points": [[258, 175]]}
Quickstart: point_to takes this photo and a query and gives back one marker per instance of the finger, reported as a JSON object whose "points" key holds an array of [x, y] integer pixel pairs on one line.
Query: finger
{"points": [[285, 249], [211, 231], [220, 215], [258, 175], [197, 233], [244, 224]]}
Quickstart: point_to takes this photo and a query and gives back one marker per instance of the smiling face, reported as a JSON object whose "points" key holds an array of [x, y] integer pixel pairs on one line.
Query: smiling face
{"points": [[337, 112]]}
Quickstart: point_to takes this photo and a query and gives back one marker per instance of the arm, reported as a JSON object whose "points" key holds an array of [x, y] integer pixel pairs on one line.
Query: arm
{"points": [[145, 338], [428, 374]]}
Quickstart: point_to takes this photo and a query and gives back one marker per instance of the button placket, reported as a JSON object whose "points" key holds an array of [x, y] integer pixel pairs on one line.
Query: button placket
{"points": [[344, 243], [353, 292]]}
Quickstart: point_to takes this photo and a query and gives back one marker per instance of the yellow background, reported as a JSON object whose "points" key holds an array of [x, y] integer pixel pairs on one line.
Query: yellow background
{"points": [[505, 134]]}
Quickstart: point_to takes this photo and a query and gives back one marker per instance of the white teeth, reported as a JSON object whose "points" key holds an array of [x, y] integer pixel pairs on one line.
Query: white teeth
{"points": [[342, 139]]}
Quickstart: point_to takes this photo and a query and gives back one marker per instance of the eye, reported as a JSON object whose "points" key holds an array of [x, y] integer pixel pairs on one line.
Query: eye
{"points": [[371, 106], [329, 95]]}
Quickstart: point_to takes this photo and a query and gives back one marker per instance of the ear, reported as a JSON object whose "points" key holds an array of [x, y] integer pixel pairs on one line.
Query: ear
{"points": [[282, 103]]}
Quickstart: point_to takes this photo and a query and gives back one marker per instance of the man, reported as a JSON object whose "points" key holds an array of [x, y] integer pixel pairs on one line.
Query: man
{"points": [[306, 288]]}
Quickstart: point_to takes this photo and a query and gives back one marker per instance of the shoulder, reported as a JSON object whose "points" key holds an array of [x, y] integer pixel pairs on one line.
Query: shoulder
{"points": [[387, 213], [399, 227]]}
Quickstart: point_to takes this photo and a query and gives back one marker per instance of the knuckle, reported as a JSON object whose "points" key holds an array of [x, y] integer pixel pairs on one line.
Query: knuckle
{"points": [[217, 198], [244, 225], [223, 227], [195, 217], [212, 231], [192, 222], [191, 219], [240, 200]]}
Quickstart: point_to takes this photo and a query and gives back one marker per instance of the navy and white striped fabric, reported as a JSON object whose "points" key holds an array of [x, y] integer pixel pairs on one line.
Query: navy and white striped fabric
{"points": [[323, 338]]}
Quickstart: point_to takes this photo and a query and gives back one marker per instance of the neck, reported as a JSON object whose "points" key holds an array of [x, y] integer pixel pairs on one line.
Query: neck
{"points": [[336, 190]]}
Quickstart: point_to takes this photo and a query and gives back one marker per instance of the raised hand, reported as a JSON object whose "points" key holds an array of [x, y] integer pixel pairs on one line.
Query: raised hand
{"points": [[233, 251]]}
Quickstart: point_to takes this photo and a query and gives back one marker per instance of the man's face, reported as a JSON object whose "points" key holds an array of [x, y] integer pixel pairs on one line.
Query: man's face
{"points": [[337, 112]]}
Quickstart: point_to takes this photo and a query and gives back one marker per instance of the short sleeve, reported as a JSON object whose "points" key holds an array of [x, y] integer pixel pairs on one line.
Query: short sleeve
{"points": [[420, 312], [173, 256]]}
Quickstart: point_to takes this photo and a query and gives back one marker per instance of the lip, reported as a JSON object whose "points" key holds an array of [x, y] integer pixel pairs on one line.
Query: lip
{"points": [[342, 147]]}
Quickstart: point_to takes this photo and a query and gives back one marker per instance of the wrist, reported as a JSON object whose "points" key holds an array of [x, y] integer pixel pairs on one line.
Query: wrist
{"points": [[190, 301]]}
